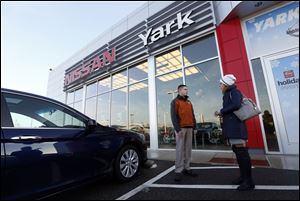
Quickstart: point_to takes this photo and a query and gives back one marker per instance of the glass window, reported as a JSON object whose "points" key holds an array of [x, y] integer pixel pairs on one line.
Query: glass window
{"points": [[166, 89], [78, 106], [78, 95], [103, 109], [204, 93], [31, 113], [199, 50], [90, 107], [70, 97], [119, 79], [138, 101], [91, 90], [104, 85], [138, 72], [168, 62], [263, 96], [119, 108], [22, 121]]}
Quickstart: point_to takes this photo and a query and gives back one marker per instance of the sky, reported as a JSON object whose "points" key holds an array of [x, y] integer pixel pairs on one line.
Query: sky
{"points": [[37, 36]]}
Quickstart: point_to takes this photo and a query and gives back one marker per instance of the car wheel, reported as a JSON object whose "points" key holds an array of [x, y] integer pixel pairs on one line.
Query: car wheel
{"points": [[127, 163]]}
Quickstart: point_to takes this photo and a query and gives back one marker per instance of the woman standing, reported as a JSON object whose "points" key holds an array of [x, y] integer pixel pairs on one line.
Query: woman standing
{"points": [[235, 131]]}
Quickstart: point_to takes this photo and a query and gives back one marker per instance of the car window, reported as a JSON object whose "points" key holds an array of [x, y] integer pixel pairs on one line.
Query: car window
{"points": [[30, 112], [22, 121]]}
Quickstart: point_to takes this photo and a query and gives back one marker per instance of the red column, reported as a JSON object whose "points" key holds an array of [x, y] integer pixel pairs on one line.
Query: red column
{"points": [[235, 61]]}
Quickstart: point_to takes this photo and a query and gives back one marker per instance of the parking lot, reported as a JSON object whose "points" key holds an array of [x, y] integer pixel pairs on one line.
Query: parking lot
{"points": [[213, 182]]}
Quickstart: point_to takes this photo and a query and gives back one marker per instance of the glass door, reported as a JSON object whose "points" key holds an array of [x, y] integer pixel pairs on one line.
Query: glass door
{"points": [[282, 75]]}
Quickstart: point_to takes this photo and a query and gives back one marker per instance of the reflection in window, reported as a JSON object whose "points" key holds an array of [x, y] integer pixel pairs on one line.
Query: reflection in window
{"points": [[138, 101], [199, 50], [265, 106], [90, 107], [22, 121], [71, 122], [61, 119], [91, 90], [119, 108], [103, 109], [168, 62], [104, 85], [166, 89], [119, 79], [39, 113], [204, 93], [138, 72]]}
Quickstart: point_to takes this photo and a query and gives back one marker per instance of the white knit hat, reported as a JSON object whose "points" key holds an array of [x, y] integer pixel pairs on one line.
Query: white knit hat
{"points": [[228, 80]]}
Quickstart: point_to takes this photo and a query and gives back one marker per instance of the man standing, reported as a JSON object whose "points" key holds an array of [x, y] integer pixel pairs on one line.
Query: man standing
{"points": [[184, 122]]}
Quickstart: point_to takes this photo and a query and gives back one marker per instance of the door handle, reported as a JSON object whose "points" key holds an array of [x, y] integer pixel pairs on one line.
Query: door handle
{"points": [[26, 138]]}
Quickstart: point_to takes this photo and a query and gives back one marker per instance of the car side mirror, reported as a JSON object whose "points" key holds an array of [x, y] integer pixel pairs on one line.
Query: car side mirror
{"points": [[92, 123]]}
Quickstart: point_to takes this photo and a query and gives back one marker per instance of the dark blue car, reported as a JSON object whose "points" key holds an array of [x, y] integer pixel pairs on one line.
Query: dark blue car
{"points": [[47, 147]]}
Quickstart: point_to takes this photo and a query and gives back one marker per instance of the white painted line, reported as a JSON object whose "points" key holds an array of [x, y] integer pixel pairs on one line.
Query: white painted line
{"points": [[262, 187], [145, 185], [131, 193], [193, 186], [161, 175], [257, 187], [215, 167]]}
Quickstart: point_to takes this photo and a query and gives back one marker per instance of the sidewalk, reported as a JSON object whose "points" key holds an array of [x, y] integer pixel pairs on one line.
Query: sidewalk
{"points": [[289, 162]]}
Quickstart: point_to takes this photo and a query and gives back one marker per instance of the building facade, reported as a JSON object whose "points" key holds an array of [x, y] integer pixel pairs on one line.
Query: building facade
{"points": [[127, 77]]}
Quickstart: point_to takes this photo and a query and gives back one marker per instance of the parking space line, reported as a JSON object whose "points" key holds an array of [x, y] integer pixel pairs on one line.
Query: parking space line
{"points": [[146, 184], [257, 187], [216, 167]]}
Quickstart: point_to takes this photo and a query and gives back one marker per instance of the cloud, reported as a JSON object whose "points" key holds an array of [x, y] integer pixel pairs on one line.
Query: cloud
{"points": [[252, 20], [275, 63], [295, 64]]}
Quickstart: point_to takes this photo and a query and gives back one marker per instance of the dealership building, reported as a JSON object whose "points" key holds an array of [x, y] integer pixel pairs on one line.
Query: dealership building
{"points": [[127, 77]]}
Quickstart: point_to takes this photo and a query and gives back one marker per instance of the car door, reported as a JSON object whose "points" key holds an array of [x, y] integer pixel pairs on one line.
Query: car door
{"points": [[45, 146]]}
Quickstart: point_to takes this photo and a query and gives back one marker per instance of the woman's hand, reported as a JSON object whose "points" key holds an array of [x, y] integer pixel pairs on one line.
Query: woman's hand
{"points": [[218, 114]]}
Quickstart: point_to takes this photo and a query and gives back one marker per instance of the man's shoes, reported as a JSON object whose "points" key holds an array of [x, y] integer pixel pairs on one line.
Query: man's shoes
{"points": [[189, 173], [178, 176], [246, 186], [237, 181]]}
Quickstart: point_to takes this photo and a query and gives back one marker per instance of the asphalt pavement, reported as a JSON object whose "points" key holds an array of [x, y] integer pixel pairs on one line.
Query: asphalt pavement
{"points": [[213, 182]]}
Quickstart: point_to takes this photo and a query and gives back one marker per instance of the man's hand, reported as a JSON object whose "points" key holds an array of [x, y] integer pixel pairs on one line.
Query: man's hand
{"points": [[179, 134], [195, 132]]}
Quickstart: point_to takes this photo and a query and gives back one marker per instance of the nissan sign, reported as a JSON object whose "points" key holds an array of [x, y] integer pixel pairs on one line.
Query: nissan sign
{"points": [[91, 66]]}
